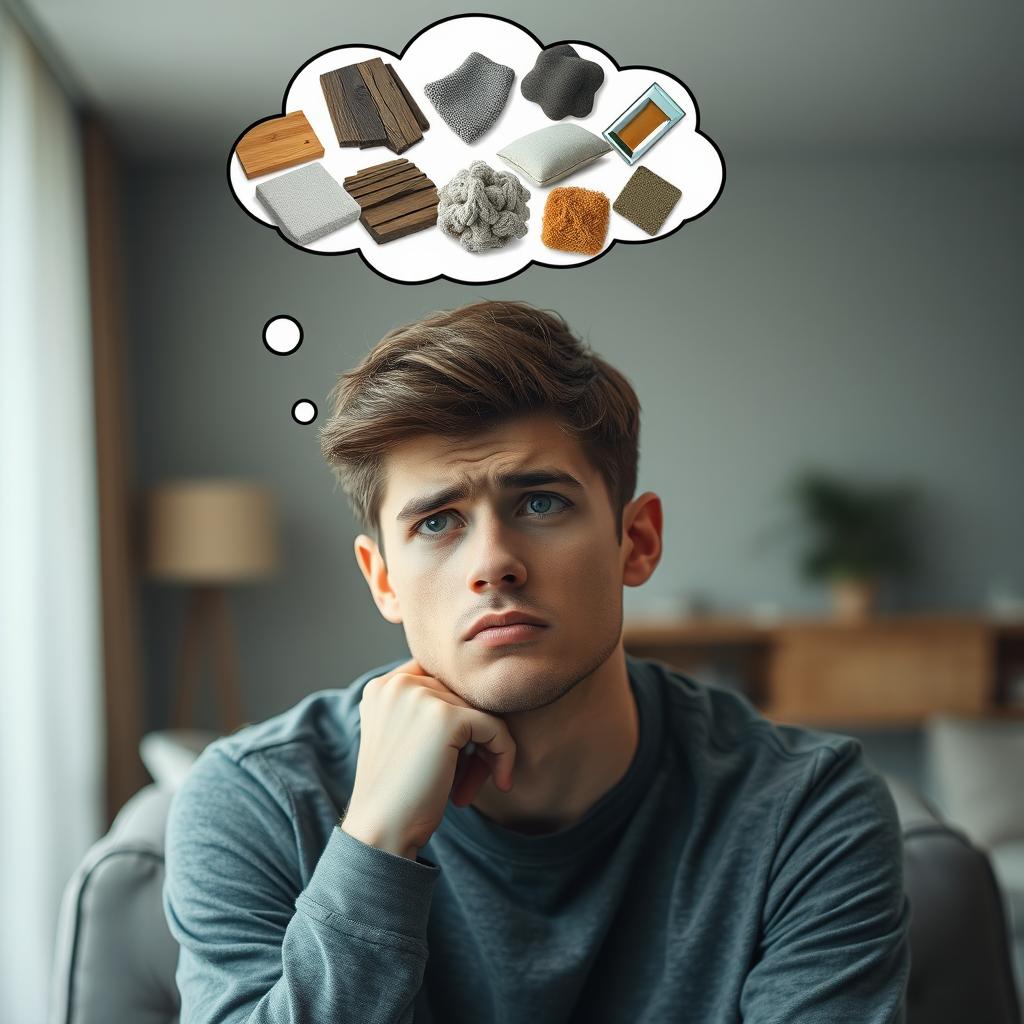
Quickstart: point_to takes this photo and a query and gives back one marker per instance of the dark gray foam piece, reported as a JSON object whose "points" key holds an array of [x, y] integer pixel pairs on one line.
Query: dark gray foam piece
{"points": [[562, 82]]}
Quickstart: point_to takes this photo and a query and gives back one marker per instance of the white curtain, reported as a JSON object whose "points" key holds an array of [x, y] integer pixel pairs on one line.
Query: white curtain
{"points": [[51, 723]]}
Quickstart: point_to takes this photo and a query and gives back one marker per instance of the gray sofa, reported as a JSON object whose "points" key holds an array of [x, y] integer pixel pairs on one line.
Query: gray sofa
{"points": [[115, 958]]}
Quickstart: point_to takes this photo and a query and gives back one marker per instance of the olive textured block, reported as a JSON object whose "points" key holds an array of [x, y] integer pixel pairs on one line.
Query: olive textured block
{"points": [[647, 200]]}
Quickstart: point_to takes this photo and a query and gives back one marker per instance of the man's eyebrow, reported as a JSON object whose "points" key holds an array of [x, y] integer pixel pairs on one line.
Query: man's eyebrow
{"points": [[417, 507]]}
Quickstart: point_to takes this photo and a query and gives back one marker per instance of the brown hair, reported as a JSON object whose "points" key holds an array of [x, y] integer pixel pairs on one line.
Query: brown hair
{"points": [[455, 371]]}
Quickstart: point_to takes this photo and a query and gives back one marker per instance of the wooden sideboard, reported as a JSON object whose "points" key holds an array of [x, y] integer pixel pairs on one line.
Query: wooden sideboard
{"points": [[887, 671]]}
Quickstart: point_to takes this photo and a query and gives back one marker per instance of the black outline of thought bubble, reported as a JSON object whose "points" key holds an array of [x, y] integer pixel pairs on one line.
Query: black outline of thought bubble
{"points": [[529, 263]]}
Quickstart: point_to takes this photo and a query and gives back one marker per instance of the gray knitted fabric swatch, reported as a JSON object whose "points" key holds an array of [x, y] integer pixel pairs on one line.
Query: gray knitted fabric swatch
{"points": [[562, 82], [307, 203], [473, 96], [483, 208]]}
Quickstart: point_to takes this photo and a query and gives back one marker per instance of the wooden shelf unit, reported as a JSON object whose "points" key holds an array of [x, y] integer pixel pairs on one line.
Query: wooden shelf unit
{"points": [[892, 670]]}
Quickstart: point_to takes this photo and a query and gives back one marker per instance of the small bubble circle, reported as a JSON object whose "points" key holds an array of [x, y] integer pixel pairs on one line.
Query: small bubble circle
{"points": [[282, 335], [304, 411]]}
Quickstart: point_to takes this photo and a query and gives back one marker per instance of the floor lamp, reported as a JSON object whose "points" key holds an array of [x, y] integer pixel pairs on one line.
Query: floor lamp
{"points": [[209, 535]]}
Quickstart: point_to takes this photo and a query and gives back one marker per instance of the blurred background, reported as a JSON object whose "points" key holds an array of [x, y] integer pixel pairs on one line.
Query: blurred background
{"points": [[830, 364]]}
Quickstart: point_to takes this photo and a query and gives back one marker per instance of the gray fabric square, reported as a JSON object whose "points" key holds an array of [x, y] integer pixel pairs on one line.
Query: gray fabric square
{"points": [[551, 153], [473, 96], [307, 203]]}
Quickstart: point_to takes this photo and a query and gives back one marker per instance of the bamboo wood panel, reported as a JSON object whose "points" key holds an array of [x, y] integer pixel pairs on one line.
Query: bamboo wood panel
{"points": [[278, 143], [396, 199]]}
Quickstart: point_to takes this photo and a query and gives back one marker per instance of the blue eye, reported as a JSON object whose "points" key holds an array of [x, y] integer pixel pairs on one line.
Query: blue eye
{"points": [[532, 499]]}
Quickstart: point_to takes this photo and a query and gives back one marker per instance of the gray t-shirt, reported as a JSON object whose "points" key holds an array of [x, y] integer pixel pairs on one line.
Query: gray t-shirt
{"points": [[739, 870]]}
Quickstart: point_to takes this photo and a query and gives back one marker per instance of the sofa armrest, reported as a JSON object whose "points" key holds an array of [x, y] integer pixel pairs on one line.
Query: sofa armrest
{"points": [[960, 942], [115, 958]]}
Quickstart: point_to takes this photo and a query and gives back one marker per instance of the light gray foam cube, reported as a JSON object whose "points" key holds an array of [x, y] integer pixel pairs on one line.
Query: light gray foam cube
{"points": [[307, 203]]}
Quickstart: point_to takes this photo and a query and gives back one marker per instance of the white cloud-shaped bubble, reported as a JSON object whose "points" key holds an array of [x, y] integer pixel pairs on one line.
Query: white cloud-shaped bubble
{"points": [[684, 156]]}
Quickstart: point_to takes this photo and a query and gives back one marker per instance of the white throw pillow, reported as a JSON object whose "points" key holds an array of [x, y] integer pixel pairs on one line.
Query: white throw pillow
{"points": [[169, 754], [977, 766], [554, 152]]}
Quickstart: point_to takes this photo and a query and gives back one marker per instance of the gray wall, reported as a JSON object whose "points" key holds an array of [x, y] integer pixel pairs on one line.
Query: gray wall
{"points": [[861, 314]]}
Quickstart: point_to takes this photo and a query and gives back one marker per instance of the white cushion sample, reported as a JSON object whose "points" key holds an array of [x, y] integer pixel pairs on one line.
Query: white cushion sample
{"points": [[168, 754], [307, 203], [977, 767], [554, 152], [1008, 865]]}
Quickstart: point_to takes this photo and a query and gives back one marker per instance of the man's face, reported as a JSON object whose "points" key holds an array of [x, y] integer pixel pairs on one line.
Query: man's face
{"points": [[546, 548]]}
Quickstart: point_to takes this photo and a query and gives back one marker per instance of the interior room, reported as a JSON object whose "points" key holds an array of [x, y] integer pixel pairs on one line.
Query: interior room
{"points": [[829, 361]]}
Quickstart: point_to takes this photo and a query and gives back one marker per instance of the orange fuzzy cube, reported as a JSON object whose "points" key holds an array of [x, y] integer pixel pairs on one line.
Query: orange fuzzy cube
{"points": [[575, 220]]}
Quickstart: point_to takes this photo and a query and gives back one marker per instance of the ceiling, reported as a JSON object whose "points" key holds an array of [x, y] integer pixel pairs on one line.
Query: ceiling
{"points": [[180, 80]]}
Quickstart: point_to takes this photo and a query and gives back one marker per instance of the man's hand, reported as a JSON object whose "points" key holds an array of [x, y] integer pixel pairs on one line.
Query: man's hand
{"points": [[413, 730]]}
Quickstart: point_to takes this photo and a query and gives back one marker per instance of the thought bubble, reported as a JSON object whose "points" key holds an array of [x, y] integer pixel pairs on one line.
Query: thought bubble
{"points": [[304, 411], [282, 335], [418, 204]]}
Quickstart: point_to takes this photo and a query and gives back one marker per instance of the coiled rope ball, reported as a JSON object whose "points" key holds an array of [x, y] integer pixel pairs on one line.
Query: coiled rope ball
{"points": [[483, 208]]}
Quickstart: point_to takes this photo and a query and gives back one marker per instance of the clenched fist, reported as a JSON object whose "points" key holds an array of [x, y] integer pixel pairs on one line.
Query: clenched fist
{"points": [[420, 744]]}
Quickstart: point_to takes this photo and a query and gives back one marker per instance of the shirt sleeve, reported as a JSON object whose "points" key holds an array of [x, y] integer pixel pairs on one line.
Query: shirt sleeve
{"points": [[256, 946], [835, 926]]}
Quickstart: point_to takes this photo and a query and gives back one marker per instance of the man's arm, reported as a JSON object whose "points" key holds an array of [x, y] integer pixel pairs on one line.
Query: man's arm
{"points": [[835, 927], [255, 946]]}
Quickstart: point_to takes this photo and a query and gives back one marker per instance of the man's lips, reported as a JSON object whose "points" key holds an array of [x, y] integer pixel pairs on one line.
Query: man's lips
{"points": [[496, 620], [517, 632]]}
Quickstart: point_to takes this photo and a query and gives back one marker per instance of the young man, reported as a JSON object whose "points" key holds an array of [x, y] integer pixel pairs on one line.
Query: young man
{"points": [[520, 822]]}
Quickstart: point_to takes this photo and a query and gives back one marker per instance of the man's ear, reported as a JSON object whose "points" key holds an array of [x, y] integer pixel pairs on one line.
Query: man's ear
{"points": [[375, 572], [642, 539]]}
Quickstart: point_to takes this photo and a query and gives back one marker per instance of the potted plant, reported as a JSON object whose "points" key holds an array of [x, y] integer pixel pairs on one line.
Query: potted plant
{"points": [[857, 534]]}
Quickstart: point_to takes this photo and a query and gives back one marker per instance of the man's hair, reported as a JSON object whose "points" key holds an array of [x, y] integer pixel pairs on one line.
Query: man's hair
{"points": [[456, 372]]}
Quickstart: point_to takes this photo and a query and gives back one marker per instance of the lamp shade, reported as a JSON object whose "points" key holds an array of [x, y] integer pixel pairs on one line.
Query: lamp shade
{"points": [[210, 531]]}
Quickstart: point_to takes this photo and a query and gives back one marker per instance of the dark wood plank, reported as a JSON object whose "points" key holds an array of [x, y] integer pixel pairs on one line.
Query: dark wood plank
{"points": [[374, 169], [400, 125], [396, 199], [400, 182], [376, 216], [413, 106], [386, 185], [406, 225], [352, 108], [370, 175]]}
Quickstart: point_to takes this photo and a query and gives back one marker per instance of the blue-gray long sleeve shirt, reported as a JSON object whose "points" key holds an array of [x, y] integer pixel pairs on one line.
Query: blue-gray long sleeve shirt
{"points": [[740, 870]]}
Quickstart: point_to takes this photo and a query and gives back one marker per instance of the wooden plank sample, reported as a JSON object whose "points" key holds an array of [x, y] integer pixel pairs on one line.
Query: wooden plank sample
{"points": [[352, 108], [400, 123], [396, 199], [413, 106], [278, 143]]}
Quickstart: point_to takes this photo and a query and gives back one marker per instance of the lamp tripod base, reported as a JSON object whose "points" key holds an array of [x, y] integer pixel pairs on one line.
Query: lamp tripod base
{"points": [[207, 611]]}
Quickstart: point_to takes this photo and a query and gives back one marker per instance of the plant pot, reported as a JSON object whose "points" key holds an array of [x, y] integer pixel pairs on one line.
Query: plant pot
{"points": [[853, 600]]}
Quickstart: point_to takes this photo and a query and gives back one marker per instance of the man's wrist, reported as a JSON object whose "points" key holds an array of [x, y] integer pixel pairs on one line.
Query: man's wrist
{"points": [[378, 837]]}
